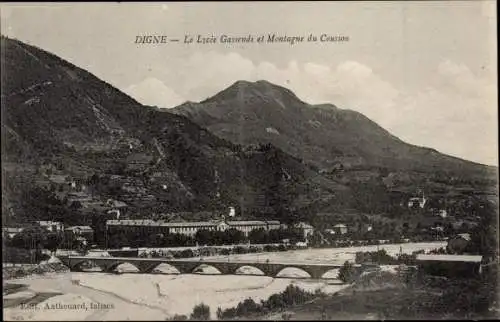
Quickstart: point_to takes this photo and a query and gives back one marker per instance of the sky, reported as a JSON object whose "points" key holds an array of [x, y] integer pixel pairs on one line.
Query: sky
{"points": [[425, 71]]}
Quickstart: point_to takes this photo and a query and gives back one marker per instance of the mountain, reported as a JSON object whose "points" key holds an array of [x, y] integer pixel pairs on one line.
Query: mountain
{"points": [[323, 135], [71, 142], [61, 124]]}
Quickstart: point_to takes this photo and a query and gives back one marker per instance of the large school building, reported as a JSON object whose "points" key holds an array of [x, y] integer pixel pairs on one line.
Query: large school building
{"points": [[188, 228]]}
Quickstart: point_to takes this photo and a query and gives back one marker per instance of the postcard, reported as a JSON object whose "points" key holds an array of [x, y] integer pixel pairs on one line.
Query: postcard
{"points": [[249, 160]]}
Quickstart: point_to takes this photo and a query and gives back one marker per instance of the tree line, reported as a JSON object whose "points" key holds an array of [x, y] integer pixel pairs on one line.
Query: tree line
{"points": [[123, 238]]}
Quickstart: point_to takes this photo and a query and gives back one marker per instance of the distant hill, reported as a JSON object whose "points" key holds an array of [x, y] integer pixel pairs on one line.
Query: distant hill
{"points": [[339, 142], [324, 135]]}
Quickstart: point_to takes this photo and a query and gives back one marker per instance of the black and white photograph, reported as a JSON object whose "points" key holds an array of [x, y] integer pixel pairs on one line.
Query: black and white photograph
{"points": [[251, 160]]}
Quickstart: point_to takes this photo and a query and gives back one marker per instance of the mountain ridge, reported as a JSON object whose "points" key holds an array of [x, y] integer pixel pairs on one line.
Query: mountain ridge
{"points": [[61, 118], [244, 98], [60, 121]]}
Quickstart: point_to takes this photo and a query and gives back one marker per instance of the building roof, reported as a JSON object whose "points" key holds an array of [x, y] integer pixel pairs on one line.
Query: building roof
{"points": [[190, 224], [78, 194], [82, 228], [116, 203], [48, 222], [132, 222], [450, 258], [12, 229], [303, 225], [465, 236], [246, 223], [340, 226], [149, 222]]}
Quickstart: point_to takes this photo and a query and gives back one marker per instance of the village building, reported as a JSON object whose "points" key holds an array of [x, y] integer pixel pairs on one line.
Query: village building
{"points": [[416, 201], [307, 230], [115, 204], [464, 266], [148, 226], [52, 226], [330, 231], [419, 201], [442, 213], [10, 232], [340, 229], [84, 232]]}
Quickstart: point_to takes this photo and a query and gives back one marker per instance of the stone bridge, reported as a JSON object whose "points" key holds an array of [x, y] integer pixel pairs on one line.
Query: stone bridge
{"points": [[187, 266]]}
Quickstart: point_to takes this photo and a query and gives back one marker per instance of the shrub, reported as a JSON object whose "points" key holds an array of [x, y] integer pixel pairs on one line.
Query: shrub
{"points": [[201, 312], [292, 295], [177, 254], [179, 317], [295, 295], [380, 257], [268, 248], [253, 249], [220, 313], [319, 293], [229, 313], [346, 272], [246, 307], [407, 259], [186, 253], [239, 250]]}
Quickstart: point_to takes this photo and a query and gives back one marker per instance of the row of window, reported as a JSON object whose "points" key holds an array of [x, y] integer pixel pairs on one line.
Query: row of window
{"points": [[188, 229]]}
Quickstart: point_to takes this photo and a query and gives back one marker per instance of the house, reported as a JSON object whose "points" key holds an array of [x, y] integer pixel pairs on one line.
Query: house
{"points": [[85, 232], [307, 230], [115, 203], [463, 266], [457, 244], [442, 213], [417, 201], [340, 229], [52, 226], [10, 232]]}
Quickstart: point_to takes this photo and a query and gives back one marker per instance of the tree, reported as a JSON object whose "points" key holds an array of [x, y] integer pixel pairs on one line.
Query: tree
{"points": [[346, 272], [220, 313], [201, 312], [203, 236], [30, 238], [484, 235], [258, 236], [233, 236], [405, 229], [54, 240], [75, 205]]}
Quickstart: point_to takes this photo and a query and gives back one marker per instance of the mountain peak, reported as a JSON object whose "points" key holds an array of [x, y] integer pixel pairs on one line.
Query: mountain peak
{"points": [[261, 91]]}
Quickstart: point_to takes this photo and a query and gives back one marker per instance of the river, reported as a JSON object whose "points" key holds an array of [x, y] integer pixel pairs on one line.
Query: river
{"points": [[134, 296]]}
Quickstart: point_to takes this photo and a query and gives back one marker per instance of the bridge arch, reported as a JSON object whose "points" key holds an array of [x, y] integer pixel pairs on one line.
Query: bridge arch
{"points": [[244, 270], [112, 266], [332, 273], [83, 264], [202, 267], [166, 268], [301, 269]]}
